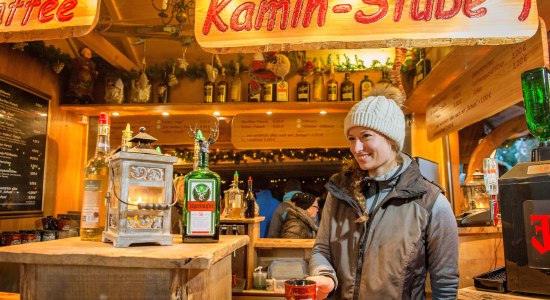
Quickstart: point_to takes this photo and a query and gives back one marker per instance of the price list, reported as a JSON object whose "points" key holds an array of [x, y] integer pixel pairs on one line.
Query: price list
{"points": [[23, 125]]}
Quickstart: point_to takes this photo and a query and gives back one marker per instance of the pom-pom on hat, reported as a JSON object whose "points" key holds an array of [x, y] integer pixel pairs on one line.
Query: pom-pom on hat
{"points": [[381, 112]]}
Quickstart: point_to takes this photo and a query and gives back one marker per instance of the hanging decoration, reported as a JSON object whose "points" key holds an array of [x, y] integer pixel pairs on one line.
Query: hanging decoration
{"points": [[269, 67], [182, 61], [267, 156]]}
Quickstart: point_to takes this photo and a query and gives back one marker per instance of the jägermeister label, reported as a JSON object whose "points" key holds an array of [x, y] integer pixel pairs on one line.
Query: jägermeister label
{"points": [[201, 207]]}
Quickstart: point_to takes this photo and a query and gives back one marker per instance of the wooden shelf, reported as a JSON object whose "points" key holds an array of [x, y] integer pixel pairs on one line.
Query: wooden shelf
{"points": [[443, 74], [265, 243], [241, 220], [225, 109]]}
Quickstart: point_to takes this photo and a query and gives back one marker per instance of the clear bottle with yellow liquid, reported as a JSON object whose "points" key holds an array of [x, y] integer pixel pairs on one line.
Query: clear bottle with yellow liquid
{"points": [[96, 177]]}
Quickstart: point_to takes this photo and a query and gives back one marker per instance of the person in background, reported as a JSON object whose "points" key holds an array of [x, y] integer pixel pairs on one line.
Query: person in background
{"points": [[384, 226], [292, 187], [266, 202], [300, 219]]}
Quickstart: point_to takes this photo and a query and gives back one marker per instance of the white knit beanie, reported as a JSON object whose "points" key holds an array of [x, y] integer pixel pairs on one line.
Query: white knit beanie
{"points": [[381, 112]]}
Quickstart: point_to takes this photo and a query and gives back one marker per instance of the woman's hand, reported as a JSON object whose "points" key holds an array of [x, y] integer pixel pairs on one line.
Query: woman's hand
{"points": [[325, 285]]}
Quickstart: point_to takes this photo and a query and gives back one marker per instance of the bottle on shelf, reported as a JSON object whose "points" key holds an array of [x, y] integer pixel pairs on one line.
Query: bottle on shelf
{"points": [[234, 206], [268, 92], [332, 86], [254, 91], [423, 66], [201, 202], [222, 86], [318, 84], [366, 87], [302, 91], [125, 143], [208, 92], [250, 201], [96, 180], [282, 90], [236, 86], [347, 89]]}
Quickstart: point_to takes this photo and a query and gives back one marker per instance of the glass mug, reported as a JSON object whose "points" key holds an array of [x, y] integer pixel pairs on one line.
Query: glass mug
{"points": [[300, 289]]}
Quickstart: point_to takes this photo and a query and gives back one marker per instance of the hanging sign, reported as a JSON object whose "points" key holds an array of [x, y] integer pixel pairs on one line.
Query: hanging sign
{"points": [[172, 130], [223, 26], [489, 87], [288, 131], [30, 20]]}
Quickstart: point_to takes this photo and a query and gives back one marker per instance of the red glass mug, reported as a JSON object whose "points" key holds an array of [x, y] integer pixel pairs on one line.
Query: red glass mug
{"points": [[300, 289]]}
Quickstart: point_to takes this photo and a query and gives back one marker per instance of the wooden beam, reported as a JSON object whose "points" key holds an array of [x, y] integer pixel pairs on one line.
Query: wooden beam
{"points": [[512, 128], [114, 12], [108, 51]]}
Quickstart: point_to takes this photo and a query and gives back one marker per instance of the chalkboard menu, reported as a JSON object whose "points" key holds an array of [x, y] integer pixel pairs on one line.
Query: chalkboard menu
{"points": [[23, 126]]}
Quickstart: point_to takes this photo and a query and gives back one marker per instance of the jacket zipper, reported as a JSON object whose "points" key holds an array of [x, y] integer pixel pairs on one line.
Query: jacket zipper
{"points": [[359, 269]]}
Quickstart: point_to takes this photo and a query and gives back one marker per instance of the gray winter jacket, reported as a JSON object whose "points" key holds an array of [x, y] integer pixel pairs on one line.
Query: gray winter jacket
{"points": [[410, 231], [298, 225]]}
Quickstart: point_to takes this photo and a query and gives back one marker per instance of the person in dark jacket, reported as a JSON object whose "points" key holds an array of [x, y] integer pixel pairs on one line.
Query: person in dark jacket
{"points": [[384, 226], [300, 219], [292, 187]]}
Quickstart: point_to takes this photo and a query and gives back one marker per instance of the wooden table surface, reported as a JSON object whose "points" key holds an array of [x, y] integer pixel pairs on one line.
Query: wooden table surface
{"points": [[72, 251]]}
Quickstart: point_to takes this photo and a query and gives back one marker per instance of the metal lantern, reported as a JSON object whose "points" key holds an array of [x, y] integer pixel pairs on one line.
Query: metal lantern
{"points": [[140, 195], [474, 192]]}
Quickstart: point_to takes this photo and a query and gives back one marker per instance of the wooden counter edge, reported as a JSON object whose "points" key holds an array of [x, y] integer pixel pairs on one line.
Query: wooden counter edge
{"points": [[177, 256], [479, 230], [471, 293], [267, 243]]}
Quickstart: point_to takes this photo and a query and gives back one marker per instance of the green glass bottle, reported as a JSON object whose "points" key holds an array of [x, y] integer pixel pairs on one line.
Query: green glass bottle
{"points": [[536, 97], [201, 203]]}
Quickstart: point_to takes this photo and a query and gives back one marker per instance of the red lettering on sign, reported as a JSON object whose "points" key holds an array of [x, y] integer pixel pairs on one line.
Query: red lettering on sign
{"points": [[525, 11], [201, 206], [63, 14], [47, 8], [418, 15], [30, 7], [471, 12], [14, 6], [213, 17], [271, 7], [440, 12], [362, 18], [544, 229]]}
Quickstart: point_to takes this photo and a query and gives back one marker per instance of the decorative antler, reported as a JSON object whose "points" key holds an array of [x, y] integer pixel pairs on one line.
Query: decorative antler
{"points": [[214, 134], [193, 132]]}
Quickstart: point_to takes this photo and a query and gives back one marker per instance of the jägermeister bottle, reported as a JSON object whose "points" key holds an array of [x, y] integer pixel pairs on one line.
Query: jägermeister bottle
{"points": [[201, 203], [536, 96]]}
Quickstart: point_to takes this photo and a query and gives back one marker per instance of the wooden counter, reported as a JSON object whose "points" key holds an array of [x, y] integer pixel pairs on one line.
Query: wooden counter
{"points": [[72, 269], [470, 293]]}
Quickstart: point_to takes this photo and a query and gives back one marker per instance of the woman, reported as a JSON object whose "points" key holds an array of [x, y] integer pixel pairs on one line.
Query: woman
{"points": [[383, 226], [300, 219]]}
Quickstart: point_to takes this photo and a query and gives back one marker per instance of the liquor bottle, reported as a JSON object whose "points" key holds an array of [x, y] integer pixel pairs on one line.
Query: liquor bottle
{"points": [[125, 143], [221, 95], [318, 84], [423, 67], [208, 92], [234, 196], [535, 84], [282, 90], [236, 86], [366, 87], [268, 92], [332, 86], [302, 91], [250, 201], [254, 91], [96, 179], [201, 203], [347, 89]]}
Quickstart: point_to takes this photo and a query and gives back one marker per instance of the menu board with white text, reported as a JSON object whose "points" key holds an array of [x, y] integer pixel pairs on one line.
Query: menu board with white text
{"points": [[23, 129]]}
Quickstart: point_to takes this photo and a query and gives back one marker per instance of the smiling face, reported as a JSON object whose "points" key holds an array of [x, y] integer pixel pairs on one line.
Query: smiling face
{"points": [[372, 150]]}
